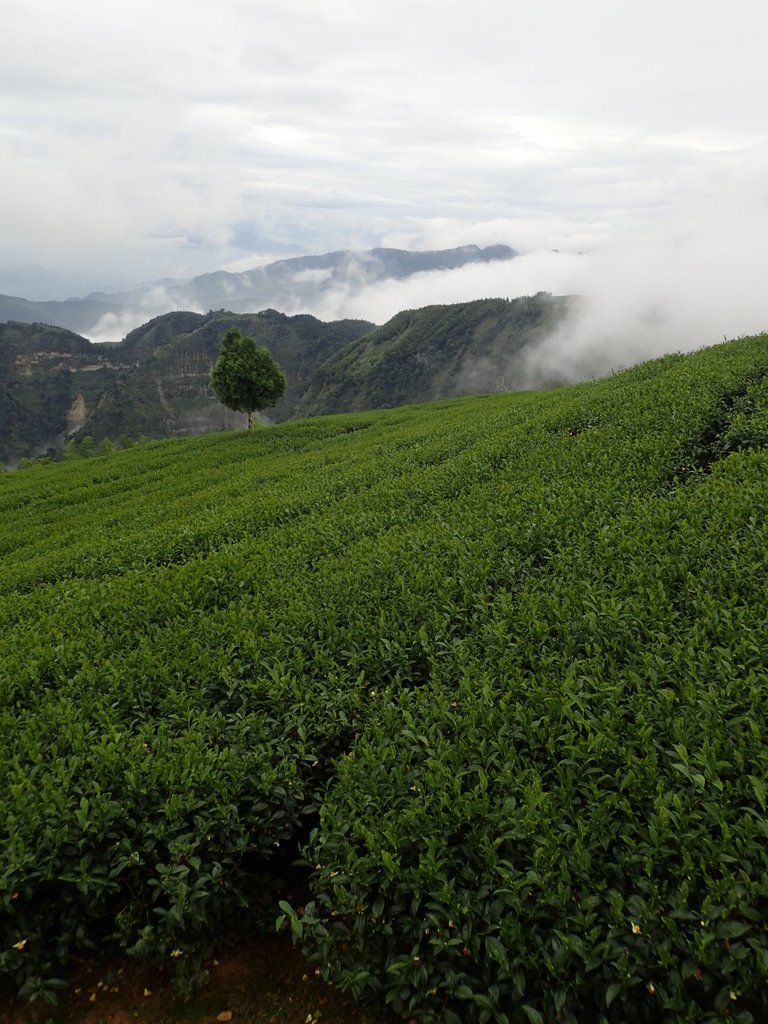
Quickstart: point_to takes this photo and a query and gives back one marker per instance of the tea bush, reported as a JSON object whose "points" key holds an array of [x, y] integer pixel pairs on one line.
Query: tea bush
{"points": [[497, 667]]}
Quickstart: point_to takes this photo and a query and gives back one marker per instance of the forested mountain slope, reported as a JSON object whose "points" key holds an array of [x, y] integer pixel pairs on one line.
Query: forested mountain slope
{"points": [[435, 352], [55, 385]]}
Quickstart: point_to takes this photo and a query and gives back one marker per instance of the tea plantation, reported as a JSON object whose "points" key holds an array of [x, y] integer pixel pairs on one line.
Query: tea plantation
{"points": [[496, 669]]}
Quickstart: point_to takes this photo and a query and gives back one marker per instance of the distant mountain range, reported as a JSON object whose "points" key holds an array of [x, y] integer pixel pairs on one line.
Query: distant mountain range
{"points": [[289, 285], [56, 385]]}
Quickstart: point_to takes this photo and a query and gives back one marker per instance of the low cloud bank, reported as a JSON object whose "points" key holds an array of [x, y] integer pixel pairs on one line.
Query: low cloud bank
{"points": [[685, 281], [380, 301], [677, 284], [114, 326]]}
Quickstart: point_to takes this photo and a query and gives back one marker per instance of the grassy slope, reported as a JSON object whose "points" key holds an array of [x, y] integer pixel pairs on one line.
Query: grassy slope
{"points": [[535, 623]]}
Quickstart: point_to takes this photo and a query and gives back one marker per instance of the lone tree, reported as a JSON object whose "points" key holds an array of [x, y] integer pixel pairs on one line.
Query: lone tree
{"points": [[244, 377]]}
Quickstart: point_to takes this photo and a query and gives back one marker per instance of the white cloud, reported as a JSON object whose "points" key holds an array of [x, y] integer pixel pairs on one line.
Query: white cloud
{"points": [[115, 326], [317, 276], [524, 275], [137, 139], [677, 285]]}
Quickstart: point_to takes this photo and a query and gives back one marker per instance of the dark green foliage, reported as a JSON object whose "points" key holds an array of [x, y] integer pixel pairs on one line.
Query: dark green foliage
{"points": [[434, 352], [55, 385], [246, 378], [87, 447], [157, 381], [497, 665], [37, 388]]}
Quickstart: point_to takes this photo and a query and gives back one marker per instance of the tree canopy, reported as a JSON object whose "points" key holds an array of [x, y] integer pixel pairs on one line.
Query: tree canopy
{"points": [[246, 378]]}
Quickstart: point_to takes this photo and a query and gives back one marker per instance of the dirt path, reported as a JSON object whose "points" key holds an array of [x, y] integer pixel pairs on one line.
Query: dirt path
{"points": [[262, 982]]}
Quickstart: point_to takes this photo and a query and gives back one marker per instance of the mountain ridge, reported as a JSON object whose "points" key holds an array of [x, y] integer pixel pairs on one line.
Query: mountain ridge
{"points": [[438, 351], [284, 284], [56, 385]]}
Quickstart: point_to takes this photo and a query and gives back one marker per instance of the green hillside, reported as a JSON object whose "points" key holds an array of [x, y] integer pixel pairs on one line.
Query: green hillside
{"points": [[420, 355], [495, 668], [56, 385]]}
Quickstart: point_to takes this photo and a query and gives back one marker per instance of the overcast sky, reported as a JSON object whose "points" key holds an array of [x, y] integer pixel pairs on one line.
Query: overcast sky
{"points": [[142, 140]]}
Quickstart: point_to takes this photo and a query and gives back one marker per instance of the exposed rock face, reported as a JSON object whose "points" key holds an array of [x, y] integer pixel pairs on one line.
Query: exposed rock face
{"points": [[77, 414]]}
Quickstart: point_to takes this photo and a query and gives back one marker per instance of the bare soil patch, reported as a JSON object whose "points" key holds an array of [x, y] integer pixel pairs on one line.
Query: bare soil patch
{"points": [[264, 981]]}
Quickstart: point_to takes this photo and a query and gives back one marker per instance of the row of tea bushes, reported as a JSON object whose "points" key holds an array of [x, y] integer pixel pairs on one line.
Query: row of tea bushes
{"points": [[502, 657]]}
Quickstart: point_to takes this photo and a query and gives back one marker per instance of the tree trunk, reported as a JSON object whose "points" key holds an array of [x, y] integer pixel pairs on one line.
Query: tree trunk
{"points": [[250, 422]]}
